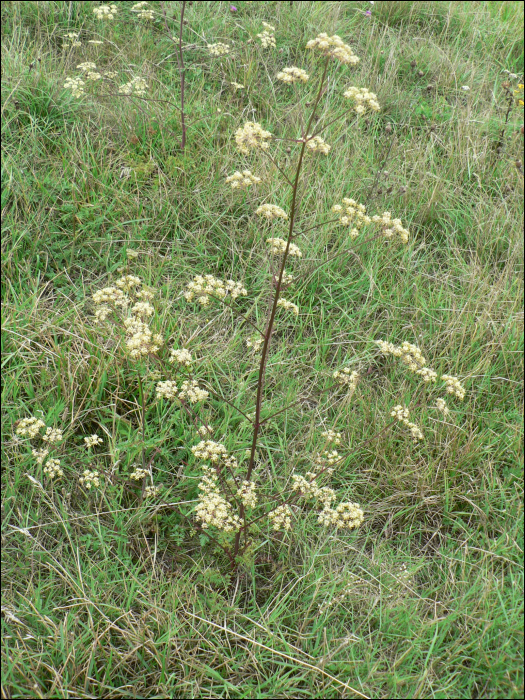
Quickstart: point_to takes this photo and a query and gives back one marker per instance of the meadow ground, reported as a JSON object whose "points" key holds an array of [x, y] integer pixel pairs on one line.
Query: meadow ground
{"points": [[107, 594]]}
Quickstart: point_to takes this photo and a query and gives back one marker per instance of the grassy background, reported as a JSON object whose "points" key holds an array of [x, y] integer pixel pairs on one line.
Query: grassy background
{"points": [[108, 597]]}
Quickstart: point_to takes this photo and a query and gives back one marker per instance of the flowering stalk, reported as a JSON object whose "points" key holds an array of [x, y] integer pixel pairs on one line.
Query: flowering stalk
{"points": [[269, 327], [182, 71]]}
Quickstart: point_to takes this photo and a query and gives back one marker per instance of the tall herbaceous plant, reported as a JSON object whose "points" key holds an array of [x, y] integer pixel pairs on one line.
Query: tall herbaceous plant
{"points": [[233, 505]]}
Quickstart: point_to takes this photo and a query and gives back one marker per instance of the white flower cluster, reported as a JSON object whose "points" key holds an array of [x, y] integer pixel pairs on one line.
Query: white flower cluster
{"points": [[128, 283], [402, 415], [73, 38], [333, 46], [352, 214], [139, 474], [347, 377], [308, 488], [29, 427], [76, 85], [152, 491], [87, 66], [288, 305], [363, 99], [53, 469], [142, 308], [454, 386], [140, 339], [391, 226], [271, 211], [242, 180], [105, 11], [281, 518], [326, 459], [142, 11], [344, 516], [52, 436], [213, 509], [205, 430], [251, 137], [207, 449], [237, 86], [441, 405], [411, 356], [293, 75], [267, 36], [255, 342], [183, 357], [110, 295], [166, 390], [93, 440], [89, 479], [40, 455], [317, 145], [205, 286], [247, 494], [278, 246], [136, 86], [190, 390], [331, 436], [218, 49]]}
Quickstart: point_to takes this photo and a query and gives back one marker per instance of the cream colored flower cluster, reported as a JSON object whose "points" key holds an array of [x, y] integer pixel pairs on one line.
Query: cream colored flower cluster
{"points": [[352, 214], [138, 474], [137, 87], [143, 12], [281, 518], [317, 145], [73, 38], [140, 339], [402, 415], [237, 86], [105, 11], [93, 440], [76, 85], [252, 137], [271, 211], [166, 390], [218, 49], [191, 391], [346, 515], [255, 343], [205, 430], [411, 356], [278, 247], [441, 406], [183, 357], [53, 469], [87, 66], [242, 180], [152, 491], [208, 449], [326, 459], [347, 377], [53, 435], [454, 386], [333, 46], [332, 436], [202, 287], [288, 305], [40, 455], [29, 427], [391, 226], [247, 495], [363, 98], [267, 36], [293, 75], [213, 509], [90, 479]]}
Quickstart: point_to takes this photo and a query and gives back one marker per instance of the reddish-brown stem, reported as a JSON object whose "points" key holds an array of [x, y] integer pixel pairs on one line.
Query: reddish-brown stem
{"points": [[269, 329]]}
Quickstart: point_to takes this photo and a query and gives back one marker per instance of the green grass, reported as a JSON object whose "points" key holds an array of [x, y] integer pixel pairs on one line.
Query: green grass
{"points": [[106, 596]]}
